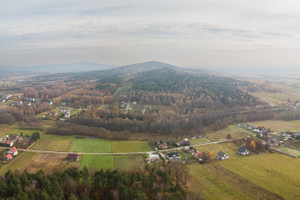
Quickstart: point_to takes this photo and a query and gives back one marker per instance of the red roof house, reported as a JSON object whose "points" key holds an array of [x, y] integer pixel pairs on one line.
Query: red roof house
{"points": [[13, 151], [8, 157]]}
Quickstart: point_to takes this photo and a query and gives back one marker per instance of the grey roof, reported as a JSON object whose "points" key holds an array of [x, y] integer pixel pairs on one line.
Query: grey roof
{"points": [[242, 149], [221, 153]]}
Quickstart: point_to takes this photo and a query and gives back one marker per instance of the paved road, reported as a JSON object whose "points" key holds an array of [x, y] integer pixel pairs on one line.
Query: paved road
{"points": [[128, 153]]}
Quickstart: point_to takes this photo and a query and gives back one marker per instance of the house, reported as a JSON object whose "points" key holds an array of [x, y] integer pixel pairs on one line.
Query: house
{"points": [[153, 157], [173, 156], [72, 157], [9, 143], [13, 151], [8, 157], [221, 155], [28, 99], [163, 146], [243, 151], [67, 115], [262, 134], [185, 142]]}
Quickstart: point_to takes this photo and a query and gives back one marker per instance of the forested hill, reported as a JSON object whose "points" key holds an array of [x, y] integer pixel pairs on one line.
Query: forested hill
{"points": [[167, 86], [124, 70]]}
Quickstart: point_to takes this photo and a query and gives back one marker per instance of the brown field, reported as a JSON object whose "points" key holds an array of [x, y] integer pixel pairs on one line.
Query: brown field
{"points": [[279, 125], [19, 163], [33, 162], [48, 162]]}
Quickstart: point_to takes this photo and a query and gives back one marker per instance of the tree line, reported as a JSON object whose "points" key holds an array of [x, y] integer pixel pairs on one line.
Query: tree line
{"points": [[153, 183]]}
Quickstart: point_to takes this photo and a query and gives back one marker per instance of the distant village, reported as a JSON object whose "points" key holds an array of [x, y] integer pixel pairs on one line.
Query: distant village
{"points": [[11, 143]]}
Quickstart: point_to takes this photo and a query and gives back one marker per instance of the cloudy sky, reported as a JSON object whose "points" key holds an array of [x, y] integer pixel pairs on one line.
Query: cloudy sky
{"points": [[230, 33]]}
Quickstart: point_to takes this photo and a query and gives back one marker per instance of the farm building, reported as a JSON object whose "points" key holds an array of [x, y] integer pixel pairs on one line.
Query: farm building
{"points": [[153, 157], [221, 155], [243, 151], [72, 157]]}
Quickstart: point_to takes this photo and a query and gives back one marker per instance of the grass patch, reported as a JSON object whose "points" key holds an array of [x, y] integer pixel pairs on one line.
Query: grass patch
{"points": [[130, 146], [233, 130], [122, 162], [137, 162], [91, 146], [125, 90], [199, 140], [16, 130], [208, 185], [97, 161], [57, 144]]}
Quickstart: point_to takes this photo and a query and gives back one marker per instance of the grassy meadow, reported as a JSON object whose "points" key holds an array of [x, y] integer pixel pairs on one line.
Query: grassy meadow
{"points": [[130, 146], [233, 130], [91, 146], [279, 125], [256, 176]]}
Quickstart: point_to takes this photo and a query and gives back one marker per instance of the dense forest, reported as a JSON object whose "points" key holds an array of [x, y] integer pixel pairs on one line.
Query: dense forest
{"points": [[169, 86], [155, 182]]}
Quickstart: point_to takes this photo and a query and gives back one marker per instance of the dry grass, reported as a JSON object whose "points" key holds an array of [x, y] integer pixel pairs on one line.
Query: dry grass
{"points": [[279, 125], [49, 163]]}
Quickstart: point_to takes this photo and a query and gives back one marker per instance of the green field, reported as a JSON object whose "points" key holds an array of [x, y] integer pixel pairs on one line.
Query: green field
{"points": [[53, 144], [16, 130], [97, 161], [91, 146], [130, 146], [125, 90], [256, 176], [124, 162]]}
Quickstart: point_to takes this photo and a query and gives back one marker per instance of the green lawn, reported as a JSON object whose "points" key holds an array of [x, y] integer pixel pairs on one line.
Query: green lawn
{"points": [[130, 146], [97, 161], [16, 130], [91, 146], [122, 162]]}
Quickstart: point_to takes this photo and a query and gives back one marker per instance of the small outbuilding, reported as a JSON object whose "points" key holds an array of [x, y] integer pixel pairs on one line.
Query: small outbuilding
{"points": [[243, 151], [72, 157]]}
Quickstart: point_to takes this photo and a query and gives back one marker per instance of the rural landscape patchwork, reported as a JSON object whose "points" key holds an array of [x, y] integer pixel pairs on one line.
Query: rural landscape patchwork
{"points": [[149, 100], [214, 135]]}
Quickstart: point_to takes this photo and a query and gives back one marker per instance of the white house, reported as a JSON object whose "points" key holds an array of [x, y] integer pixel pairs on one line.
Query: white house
{"points": [[153, 157], [222, 156]]}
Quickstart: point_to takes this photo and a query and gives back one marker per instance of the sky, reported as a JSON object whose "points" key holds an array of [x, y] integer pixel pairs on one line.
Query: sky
{"points": [[197, 33]]}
